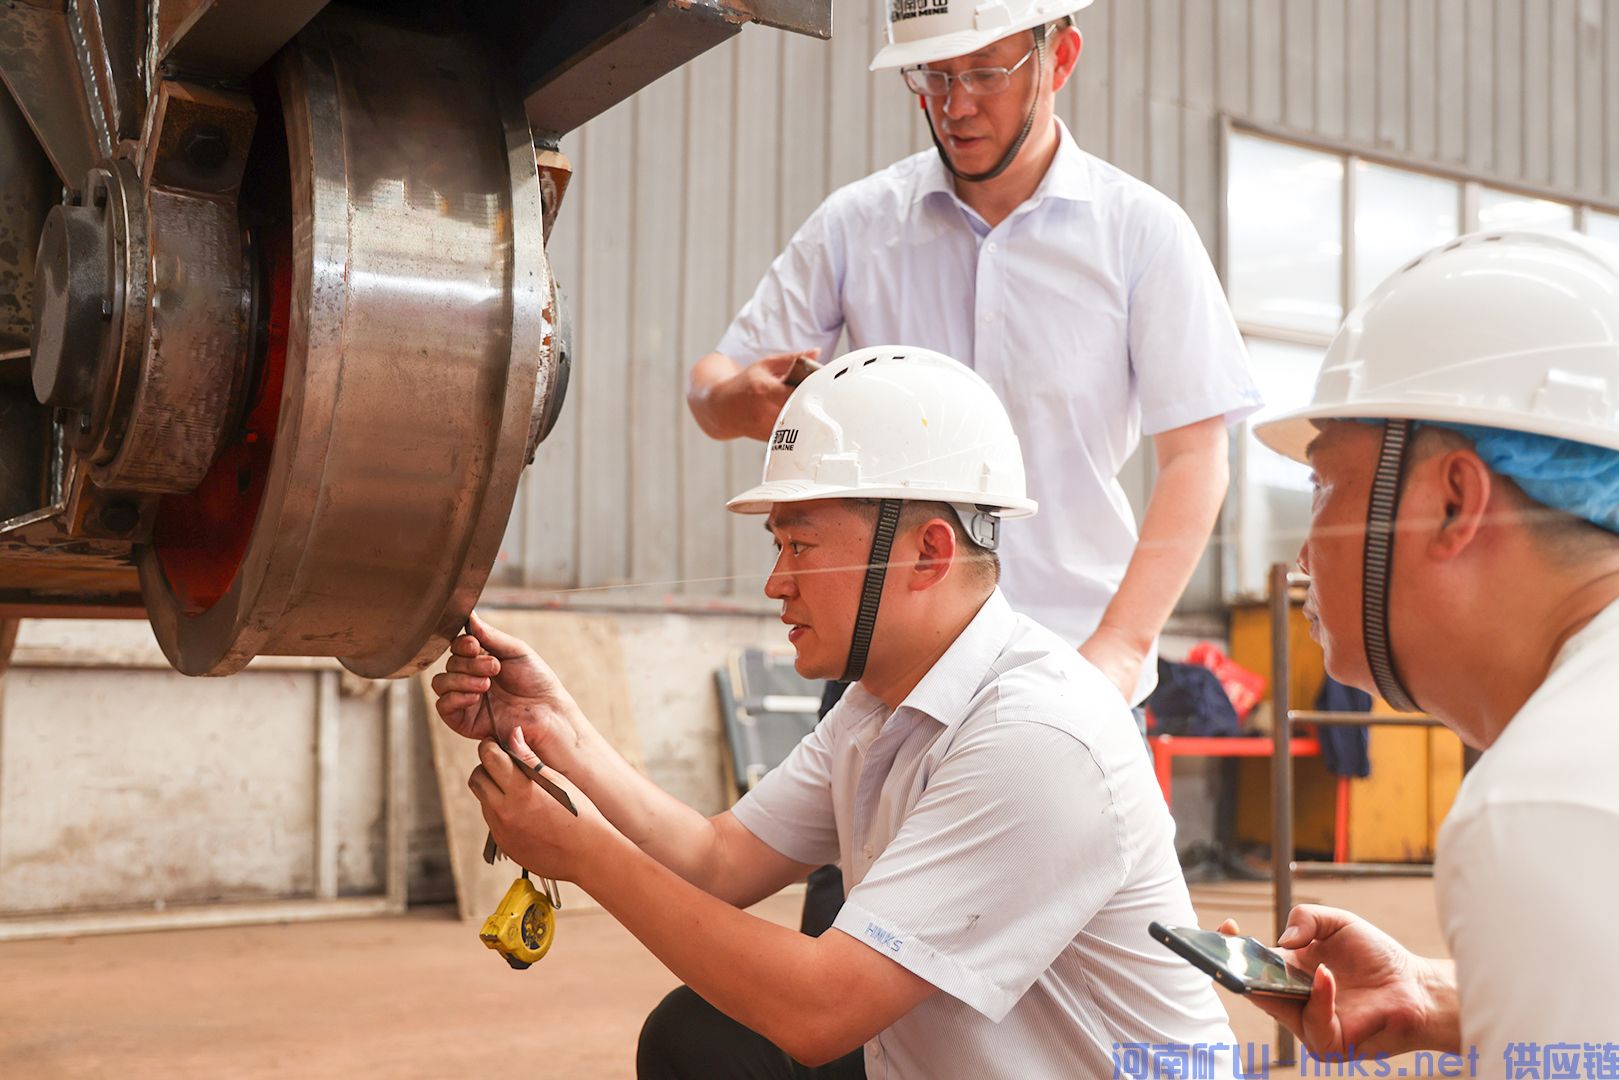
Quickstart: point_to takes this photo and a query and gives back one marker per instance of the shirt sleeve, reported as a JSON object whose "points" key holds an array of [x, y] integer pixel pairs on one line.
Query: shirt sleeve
{"points": [[1015, 844], [1186, 355], [799, 302], [1518, 884], [790, 808]]}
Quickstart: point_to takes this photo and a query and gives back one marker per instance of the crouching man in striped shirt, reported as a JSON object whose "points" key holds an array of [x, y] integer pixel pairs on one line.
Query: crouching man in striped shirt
{"points": [[981, 784]]}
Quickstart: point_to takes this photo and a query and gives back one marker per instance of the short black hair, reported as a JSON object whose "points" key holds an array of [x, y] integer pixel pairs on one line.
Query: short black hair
{"points": [[981, 563]]}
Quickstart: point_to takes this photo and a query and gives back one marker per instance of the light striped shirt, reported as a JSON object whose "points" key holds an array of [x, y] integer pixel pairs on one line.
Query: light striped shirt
{"points": [[1002, 837]]}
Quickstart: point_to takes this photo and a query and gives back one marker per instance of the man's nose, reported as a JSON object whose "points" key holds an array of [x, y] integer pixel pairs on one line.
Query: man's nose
{"points": [[780, 585], [957, 102]]}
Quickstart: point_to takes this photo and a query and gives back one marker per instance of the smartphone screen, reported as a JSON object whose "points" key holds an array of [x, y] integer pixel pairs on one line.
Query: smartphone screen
{"points": [[1243, 960]]}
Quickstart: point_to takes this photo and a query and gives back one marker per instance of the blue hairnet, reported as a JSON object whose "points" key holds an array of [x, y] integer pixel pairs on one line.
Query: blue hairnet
{"points": [[1574, 477]]}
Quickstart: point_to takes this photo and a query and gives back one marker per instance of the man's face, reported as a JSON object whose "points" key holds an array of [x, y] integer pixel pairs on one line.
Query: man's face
{"points": [[1343, 459], [977, 131], [822, 550]]}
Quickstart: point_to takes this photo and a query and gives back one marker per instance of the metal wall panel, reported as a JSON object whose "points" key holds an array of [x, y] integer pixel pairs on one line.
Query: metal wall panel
{"points": [[684, 195]]}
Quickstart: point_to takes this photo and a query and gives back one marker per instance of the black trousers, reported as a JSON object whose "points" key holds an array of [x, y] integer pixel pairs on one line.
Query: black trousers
{"points": [[686, 1038]]}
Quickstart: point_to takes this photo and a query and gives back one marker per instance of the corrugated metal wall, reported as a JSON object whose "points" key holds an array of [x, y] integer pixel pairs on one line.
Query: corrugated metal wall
{"points": [[685, 193]]}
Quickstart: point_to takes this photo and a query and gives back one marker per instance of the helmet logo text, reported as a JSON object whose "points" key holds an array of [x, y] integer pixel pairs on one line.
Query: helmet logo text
{"points": [[912, 9]]}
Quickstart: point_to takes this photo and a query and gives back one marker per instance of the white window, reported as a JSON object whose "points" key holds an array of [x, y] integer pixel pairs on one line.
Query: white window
{"points": [[1284, 206], [1399, 214], [1602, 226], [1507, 210], [1272, 492]]}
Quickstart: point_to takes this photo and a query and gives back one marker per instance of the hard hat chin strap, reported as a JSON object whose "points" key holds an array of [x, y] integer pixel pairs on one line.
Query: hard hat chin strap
{"points": [[871, 594], [1017, 143], [1378, 562]]}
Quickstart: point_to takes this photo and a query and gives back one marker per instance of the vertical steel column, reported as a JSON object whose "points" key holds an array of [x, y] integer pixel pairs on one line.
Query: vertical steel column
{"points": [[1281, 774], [30, 189], [326, 784], [8, 641], [1350, 200], [396, 794]]}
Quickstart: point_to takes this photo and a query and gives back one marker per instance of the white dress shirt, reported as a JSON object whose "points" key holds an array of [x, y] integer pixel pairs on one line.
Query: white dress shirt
{"points": [[1092, 310], [1528, 872], [1001, 835]]}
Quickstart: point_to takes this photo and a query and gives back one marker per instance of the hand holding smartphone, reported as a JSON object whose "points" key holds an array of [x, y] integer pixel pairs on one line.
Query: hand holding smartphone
{"points": [[1240, 964]]}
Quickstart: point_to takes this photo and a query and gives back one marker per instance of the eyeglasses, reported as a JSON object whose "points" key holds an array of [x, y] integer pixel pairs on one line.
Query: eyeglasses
{"points": [[979, 82]]}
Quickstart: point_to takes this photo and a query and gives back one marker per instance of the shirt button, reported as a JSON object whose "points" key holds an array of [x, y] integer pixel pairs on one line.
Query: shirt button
{"points": [[989, 316], [866, 851], [990, 246]]}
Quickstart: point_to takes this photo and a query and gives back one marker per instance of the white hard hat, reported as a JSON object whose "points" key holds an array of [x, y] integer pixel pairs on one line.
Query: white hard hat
{"points": [[925, 31], [893, 422], [1507, 329], [1513, 330]]}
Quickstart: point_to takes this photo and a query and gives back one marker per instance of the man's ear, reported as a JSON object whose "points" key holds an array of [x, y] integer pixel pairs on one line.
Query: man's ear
{"points": [[1065, 50], [936, 553], [1463, 494]]}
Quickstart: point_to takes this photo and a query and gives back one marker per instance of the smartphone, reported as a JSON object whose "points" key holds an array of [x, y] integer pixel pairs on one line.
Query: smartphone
{"points": [[1240, 964]]}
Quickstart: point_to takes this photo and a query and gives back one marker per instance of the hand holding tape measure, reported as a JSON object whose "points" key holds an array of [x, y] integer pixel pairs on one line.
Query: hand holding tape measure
{"points": [[524, 923]]}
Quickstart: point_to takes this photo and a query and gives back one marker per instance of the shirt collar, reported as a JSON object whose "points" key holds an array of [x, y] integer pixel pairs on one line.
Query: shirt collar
{"points": [[1069, 176], [951, 683]]}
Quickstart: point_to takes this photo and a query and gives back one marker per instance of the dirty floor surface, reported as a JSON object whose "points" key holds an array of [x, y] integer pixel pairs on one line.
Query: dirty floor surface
{"points": [[417, 998]]}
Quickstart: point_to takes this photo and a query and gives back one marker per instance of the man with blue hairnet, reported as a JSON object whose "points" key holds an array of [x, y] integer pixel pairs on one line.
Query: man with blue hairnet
{"points": [[1464, 559]]}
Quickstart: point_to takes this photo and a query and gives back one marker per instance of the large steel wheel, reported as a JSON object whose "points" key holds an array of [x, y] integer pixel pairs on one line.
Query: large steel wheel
{"points": [[409, 325], [277, 333]]}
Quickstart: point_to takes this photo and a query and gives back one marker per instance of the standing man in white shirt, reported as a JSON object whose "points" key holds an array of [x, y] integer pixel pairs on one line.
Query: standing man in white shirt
{"points": [[1082, 295], [983, 786], [1464, 559]]}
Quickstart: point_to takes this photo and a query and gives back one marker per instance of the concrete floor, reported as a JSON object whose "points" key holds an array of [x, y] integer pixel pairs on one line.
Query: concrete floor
{"points": [[418, 997]]}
